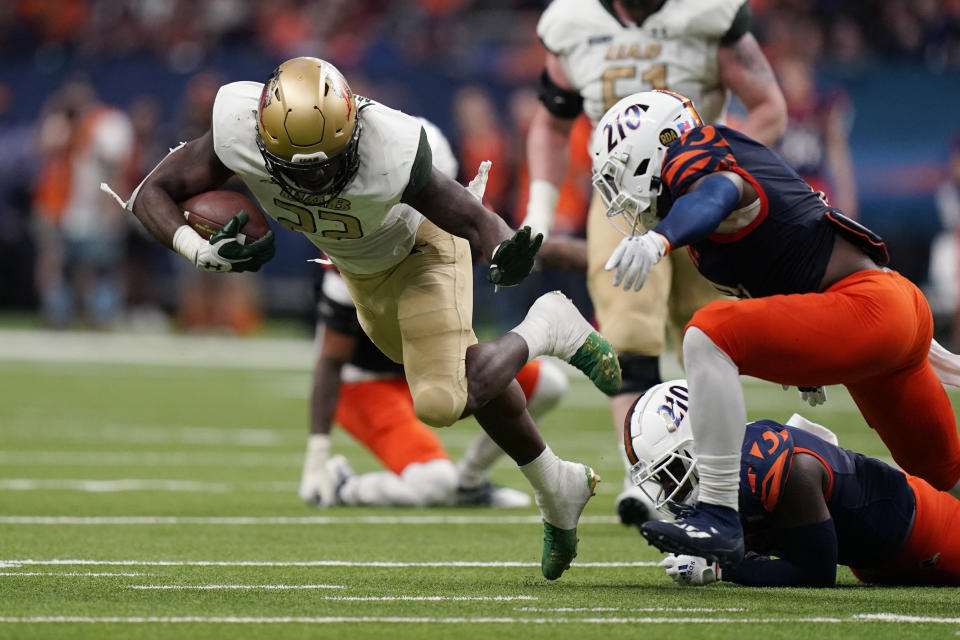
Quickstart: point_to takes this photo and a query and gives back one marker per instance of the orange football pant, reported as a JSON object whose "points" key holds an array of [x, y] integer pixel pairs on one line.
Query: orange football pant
{"points": [[871, 332], [379, 414], [931, 555]]}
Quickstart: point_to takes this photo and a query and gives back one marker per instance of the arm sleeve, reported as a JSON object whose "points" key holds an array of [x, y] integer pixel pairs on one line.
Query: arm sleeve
{"points": [[562, 103], [808, 559], [740, 26], [421, 169], [695, 215]]}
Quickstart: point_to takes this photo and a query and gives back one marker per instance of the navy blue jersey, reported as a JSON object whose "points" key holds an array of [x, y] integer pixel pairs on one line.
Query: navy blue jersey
{"points": [[870, 502], [342, 317], [786, 246]]}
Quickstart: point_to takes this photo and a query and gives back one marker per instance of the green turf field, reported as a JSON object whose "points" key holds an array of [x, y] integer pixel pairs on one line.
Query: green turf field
{"points": [[147, 493]]}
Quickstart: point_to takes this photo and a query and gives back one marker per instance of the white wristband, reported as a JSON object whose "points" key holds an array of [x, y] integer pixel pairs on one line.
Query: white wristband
{"points": [[318, 444], [187, 242], [541, 206]]}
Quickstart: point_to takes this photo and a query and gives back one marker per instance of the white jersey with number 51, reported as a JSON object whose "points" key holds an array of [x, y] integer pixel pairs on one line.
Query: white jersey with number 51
{"points": [[675, 48]]}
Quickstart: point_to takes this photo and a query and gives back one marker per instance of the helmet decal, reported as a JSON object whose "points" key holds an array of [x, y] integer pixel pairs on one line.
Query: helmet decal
{"points": [[628, 147]]}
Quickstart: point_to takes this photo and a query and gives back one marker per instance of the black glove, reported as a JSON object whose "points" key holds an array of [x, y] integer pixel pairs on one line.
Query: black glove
{"points": [[513, 258], [240, 257]]}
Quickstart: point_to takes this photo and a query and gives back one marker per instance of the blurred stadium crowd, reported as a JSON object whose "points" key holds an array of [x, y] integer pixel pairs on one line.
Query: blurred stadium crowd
{"points": [[95, 90]]}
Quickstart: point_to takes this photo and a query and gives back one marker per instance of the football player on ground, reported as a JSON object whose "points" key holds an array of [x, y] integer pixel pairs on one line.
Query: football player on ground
{"points": [[598, 52], [332, 165], [818, 304], [365, 392], [803, 499]]}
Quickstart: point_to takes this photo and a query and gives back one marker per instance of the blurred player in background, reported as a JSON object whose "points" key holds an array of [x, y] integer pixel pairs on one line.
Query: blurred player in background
{"points": [[332, 166], [803, 499], [598, 52], [80, 237], [818, 306], [365, 392]]}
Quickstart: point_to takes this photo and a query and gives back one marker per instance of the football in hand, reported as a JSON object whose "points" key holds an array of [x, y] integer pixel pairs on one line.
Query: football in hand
{"points": [[207, 212]]}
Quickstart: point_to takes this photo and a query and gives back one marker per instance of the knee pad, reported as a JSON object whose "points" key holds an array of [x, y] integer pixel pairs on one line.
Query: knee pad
{"points": [[638, 373], [438, 406], [433, 482]]}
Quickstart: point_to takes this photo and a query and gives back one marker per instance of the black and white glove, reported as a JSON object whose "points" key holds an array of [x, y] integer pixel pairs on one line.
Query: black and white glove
{"points": [[690, 570], [634, 257], [224, 251], [513, 258], [813, 396]]}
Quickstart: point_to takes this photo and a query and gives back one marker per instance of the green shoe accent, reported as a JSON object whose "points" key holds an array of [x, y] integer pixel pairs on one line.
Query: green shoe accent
{"points": [[598, 360], [560, 545], [559, 549]]}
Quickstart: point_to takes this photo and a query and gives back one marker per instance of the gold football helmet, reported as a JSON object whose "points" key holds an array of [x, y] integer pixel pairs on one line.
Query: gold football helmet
{"points": [[307, 129]]}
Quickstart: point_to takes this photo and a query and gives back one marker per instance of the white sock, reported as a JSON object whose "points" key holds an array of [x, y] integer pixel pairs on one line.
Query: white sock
{"points": [[473, 468], [719, 480], [555, 489], [718, 416], [533, 335], [553, 327]]}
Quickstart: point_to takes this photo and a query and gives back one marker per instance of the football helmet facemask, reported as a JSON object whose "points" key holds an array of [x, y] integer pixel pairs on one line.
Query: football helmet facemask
{"points": [[627, 149], [659, 444], [308, 130]]}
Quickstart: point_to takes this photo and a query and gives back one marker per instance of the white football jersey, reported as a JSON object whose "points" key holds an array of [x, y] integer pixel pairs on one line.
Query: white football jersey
{"points": [[361, 230], [675, 49]]}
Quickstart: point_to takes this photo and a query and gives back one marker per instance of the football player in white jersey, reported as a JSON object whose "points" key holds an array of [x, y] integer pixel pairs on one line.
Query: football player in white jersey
{"points": [[599, 51], [365, 393], [331, 165]]}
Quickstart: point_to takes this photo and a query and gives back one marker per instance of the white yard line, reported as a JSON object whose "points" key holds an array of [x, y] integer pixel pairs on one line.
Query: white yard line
{"points": [[140, 484], [288, 520], [90, 427], [84, 574], [215, 587], [428, 598], [304, 563], [156, 349], [858, 619], [150, 459], [643, 609]]}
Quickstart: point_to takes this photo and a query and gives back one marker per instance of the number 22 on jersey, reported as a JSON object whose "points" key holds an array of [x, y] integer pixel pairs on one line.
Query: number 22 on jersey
{"points": [[305, 222]]}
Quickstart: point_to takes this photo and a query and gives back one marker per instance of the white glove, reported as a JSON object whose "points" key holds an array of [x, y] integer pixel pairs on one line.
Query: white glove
{"points": [[634, 257], [478, 185], [690, 570], [542, 201], [317, 486], [813, 396]]}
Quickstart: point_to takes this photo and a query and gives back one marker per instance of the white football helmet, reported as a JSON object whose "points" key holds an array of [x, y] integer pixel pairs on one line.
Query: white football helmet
{"points": [[659, 444], [627, 148]]}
